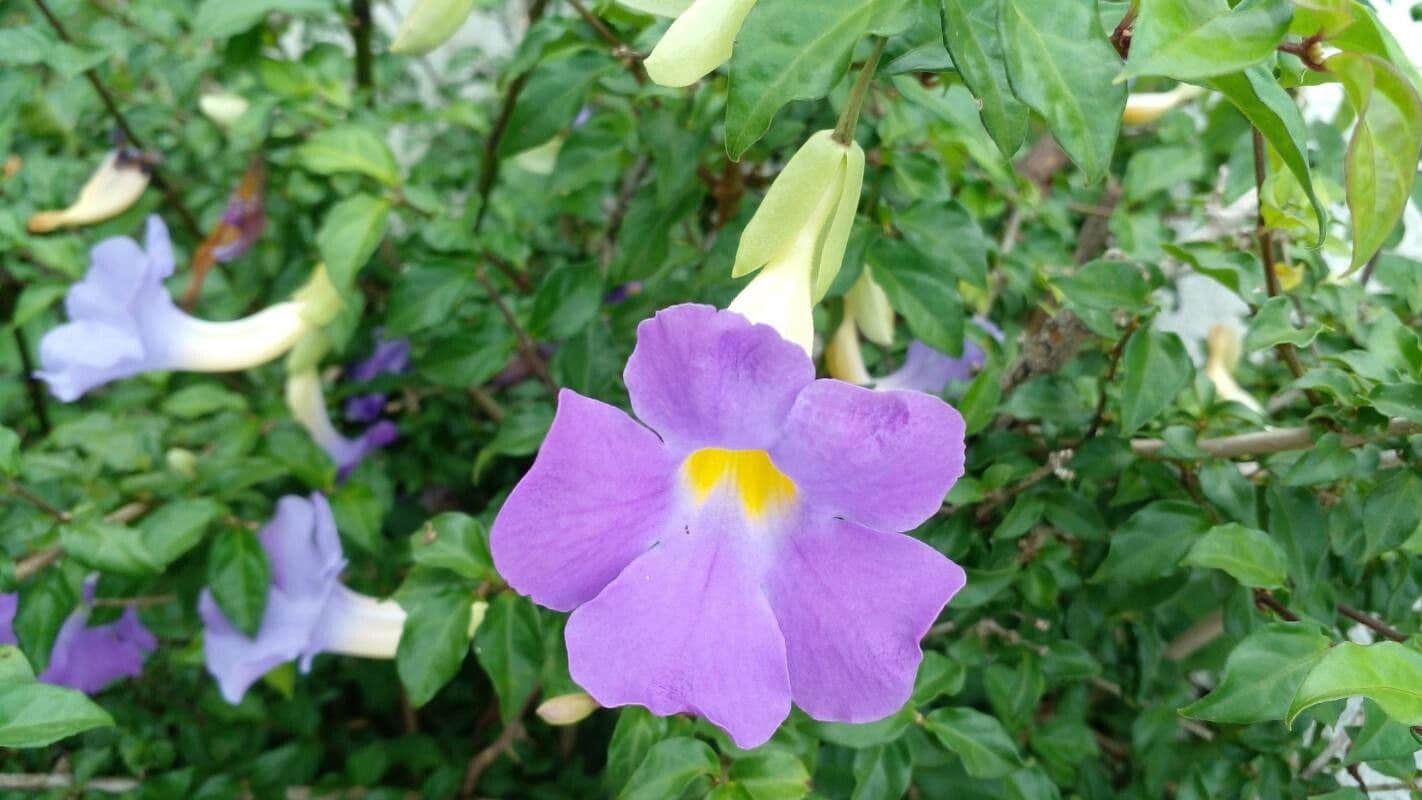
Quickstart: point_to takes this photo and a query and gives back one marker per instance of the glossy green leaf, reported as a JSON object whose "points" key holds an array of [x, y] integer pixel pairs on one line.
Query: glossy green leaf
{"points": [[1062, 66], [550, 100], [1262, 674], [1388, 673], [882, 772], [455, 542], [1106, 285], [970, 32], [921, 291], [1391, 512], [238, 576], [177, 527], [34, 714], [1150, 544], [1192, 39], [670, 766], [979, 740], [109, 547], [770, 774], [350, 148], [1273, 325], [1247, 554], [510, 649], [1154, 369], [348, 236], [436, 635]]}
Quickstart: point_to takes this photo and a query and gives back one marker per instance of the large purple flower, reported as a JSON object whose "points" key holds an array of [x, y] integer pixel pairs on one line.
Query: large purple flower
{"points": [[83, 657], [744, 549], [122, 321], [308, 610], [390, 357]]}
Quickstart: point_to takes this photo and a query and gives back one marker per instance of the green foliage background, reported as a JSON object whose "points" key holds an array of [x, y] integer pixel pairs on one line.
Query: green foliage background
{"points": [[1151, 610]]}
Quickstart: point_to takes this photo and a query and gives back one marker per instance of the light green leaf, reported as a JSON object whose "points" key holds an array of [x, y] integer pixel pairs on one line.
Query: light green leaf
{"points": [[109, 547], [979, 740], [349, 234], [920, 290], [1388, 673], [220, 19], [555, 90], [1381, 162], [1106, 285], [436, 635], [1062, 66], [882, 772], [1154, 370], [1399, 400], [456, 542], [36, 714], [350, 148], [670, 766], [1262, 674], [510, 649], [769, 774], [1247, 554], [1392, 512], [970, 32], [1273, 325], [1193, 39], [177, 527]]}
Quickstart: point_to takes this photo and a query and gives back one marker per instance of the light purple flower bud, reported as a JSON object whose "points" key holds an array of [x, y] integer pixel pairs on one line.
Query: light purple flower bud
{"points": [[122, 322], [928, 370], [740, 544], [307, 403], [391, 357], [308, 610], [83, 657]]}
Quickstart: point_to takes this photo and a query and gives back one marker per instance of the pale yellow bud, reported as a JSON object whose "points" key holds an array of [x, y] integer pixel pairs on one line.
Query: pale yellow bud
{"points": [[113, 188], [869, 306], [430, 24], [661, 8], [540, 160], [567, 709], [224, 108], [181, 461], [1222, 344], [699, 41], [1143, 108], [844, 359], [476, 616]]}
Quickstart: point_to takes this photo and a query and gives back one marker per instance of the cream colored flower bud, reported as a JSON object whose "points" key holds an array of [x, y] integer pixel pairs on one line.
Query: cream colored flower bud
{"points": [[113, 188], [567, 709], [798, 236], [870, 308], [224, 108], [1222, 344], [699, 41], [1143, 108], [430, 24], [844, 358], [181, 461]]}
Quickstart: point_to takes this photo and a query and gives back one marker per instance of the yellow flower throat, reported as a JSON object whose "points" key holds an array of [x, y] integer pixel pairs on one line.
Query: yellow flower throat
{"points": [[759, 485]]}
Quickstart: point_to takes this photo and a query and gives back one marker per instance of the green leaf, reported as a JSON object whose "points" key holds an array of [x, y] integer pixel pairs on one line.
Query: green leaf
{"points": [[882, 773], [1381, 162], [979, 740], [946, 232], [1062, 66], [456, 542], [109, 547], [1266, 105], [45, 603], [9, 452], [238, 575], [349, 234], [202, 399], [769, 774], [1161, 169], [1151, 543], [636, 731], [25, 45], [1273, 325], [1106, 285], [510, 649], [176, 528], [1192, 39], [568, 298], [1247, 554], [350, 148], [970, 32], [790, 50], [920, 291], [1391, 512], [670, 766], [1154, 370], [1262, 674], [550, 100], [36, 714], [1388, 673], [1403, 400], [436, 635], [220, 19], [35, 299], [857, 736], [1327, 461]]}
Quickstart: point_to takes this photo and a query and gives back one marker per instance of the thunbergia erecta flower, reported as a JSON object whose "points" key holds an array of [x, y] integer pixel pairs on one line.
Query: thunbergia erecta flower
{"points": [[390, 357], [741, 546], [798, 236], [308, 610], [307, 403], [83, 657], [699, 41], [926, 369], [114, 187], [122, 322]]}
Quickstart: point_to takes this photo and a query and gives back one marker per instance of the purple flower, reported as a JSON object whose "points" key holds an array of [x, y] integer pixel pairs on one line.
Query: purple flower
{"points": [[744, 548], [391, 357], [83, 657], [928, 370], [308, 610], [307, 403], [122, 321]]}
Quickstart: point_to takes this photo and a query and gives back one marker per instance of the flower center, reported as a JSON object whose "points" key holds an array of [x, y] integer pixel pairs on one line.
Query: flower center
{"points": [[751, 474]]}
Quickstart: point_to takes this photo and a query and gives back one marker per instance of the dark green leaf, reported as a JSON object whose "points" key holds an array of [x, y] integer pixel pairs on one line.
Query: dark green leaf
{"points": [[970, 32], [238, 575], [1154, 369], [921, 291], [1151, 543], [436, 635], [1262, 674], [349, 234], [978, 739], [456, 542], [510, 649], [670, 766]]}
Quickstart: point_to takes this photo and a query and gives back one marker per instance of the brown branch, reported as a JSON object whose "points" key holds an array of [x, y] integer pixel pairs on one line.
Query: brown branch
{"points": [[1264, 599], [1121, 36], [59, 514], [92, 76], [1115, 356], [1278, 440], [507, 738], [995, 499], [1047, 348], [26, 567], [1265, 236], [1367, 620], [528, 351], [631, 58]]}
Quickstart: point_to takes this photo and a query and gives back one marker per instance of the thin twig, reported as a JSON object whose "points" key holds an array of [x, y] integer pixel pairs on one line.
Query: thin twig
{"points": [[92, 75], [1376, 625], [1278, 440], [1264, 599], [26, 567], [995, 499], [526, 348], [510, 735], [148, 601], [1265, 237], [59, 514], [1115, 365], [620, 50]]}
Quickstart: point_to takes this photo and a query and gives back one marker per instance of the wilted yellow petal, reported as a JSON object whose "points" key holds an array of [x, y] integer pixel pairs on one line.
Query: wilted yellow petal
{"points": [[111, 190], [430, 24], [844, 359], [661, 8], [870, 308], [814, 171], [1289, 275], [567, 709], [698, 42], [832, 247]]}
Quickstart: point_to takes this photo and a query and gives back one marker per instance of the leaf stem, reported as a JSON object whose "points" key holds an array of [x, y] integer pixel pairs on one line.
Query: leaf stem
{"points": [[361, 28], [849, 119], [526, 348]]}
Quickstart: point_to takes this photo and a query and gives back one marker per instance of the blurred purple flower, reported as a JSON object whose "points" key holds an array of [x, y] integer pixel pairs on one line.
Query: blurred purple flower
{"points": [[243, 221], [83, 657], [307, 403], [390, 357], [622, 293], [745, 548], [928, 370], [122, 321], [308, 610]]}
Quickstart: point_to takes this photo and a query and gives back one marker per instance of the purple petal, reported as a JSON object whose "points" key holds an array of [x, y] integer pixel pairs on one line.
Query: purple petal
{"points": [[9, 604], [91, 658], [928, 370], [349, 453], [707, 378], [686, 628], [365, 408], [303, 547], [599, 493], [853, 604], [881, 459], [390, 357]]}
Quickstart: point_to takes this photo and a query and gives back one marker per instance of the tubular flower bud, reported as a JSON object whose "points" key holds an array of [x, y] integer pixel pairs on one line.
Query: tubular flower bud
{"points": [[798, 236], [113, 189], [307, 403], [224, 108], [1143, 108], [567, 709], [122, 322], [308, 610], [866, 311], [699, 41], [1222, 344], [430, 24]]}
